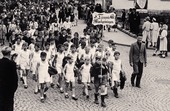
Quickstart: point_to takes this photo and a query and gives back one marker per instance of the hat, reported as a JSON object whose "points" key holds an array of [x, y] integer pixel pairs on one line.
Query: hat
{"points": [[6, 50]]}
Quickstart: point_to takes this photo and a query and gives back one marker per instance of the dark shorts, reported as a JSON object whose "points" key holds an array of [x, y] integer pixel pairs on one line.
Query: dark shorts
{"points": [[102, 81]]}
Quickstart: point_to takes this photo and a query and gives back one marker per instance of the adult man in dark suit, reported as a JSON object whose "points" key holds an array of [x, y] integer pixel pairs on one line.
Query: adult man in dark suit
{"points": [[137, 58], [8, 81]]}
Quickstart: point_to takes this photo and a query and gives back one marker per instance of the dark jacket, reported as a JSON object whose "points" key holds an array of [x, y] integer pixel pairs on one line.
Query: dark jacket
{"points": [[96, 70], [8, 75], [137, 54]]}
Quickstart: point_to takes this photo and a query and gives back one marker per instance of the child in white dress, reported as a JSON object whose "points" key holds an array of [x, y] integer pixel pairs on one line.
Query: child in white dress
{"points": [[49, 57], [24, 62], [58, 62], [85, 72], [35, 58]]}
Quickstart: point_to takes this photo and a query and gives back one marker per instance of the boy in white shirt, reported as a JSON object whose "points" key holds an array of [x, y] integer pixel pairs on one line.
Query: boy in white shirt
{"points": [[43, 76], [58, 62], [115, 75], [69, 77]]}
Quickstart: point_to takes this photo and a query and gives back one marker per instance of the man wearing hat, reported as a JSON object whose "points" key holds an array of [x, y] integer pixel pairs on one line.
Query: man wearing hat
{"points": [[8, 80]]}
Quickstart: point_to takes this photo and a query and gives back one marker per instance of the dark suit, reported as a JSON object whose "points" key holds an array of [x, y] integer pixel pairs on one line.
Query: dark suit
{"points": [[8, 84], [137, 57]]}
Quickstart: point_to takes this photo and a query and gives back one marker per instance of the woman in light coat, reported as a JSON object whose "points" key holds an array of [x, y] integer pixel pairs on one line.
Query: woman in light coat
{"points": [[163, 41]]}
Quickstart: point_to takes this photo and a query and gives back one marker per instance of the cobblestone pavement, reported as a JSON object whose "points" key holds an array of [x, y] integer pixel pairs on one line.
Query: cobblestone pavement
{"points": [[153, 96]]}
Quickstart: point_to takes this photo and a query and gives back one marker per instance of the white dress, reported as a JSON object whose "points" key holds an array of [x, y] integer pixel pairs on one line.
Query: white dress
{"points": [[86, 73], [163, 41], [93, 51], [59, 62], [116, 70], [69, 72], [24, 60], [43, 75], [35, 59], [17, 50], [80, 52], [155, 31]]}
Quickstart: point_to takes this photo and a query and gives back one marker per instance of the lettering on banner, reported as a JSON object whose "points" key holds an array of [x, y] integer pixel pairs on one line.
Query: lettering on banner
{"points": [[103, 18]]}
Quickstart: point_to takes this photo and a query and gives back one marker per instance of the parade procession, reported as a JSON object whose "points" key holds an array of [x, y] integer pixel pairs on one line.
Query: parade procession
{"points": [[84, 55]]}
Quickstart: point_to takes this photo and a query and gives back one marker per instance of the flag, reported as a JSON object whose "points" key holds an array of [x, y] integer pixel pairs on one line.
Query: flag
{"points": [[141, 4]]}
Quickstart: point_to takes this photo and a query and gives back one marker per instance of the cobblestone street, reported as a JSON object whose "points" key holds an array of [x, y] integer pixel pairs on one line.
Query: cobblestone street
{"points": [[153, 96]]}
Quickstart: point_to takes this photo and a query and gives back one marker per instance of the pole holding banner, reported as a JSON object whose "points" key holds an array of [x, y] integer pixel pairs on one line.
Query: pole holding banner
{"points": [[141, 4]]}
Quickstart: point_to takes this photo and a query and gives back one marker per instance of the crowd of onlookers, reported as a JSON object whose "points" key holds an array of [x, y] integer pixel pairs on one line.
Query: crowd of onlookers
{"points": [[131, 20], [154, 32]]}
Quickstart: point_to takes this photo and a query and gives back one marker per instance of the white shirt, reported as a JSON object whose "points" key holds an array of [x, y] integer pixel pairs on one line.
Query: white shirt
{"points": [[36, 56], [87, 39], [67, 25], [49, 54], [43, 67], [93, 51], [86, 69], [18, 48], [80, 52], [60, 57], [146, 26], [117, 65], [155, 26], [24, 56], [69, 69], [74, 55]]}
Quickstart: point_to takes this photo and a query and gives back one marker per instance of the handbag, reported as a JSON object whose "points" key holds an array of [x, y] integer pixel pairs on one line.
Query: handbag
{"points": [[52, 70], [122, 79]]}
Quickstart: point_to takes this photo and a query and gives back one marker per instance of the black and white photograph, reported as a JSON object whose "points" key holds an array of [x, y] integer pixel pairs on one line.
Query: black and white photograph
{"points": [[84, 55]]}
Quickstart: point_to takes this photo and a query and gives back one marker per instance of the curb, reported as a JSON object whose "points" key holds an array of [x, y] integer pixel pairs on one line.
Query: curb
{"points": [[127, 32], [126, 45], [131, 35], [118, 43]]}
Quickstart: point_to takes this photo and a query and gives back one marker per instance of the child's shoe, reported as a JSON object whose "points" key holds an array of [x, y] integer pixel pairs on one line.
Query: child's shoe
{"points": [[74, 98]]}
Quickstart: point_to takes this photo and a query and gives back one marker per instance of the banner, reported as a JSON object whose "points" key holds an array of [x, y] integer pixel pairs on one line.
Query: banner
{"points": [[141, 4], [104, 18]]}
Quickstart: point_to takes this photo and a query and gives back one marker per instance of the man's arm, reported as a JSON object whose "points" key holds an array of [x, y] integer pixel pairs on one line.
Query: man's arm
{"points": [[131, 55], [145, 56], [144, 26], [15, 77]]}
